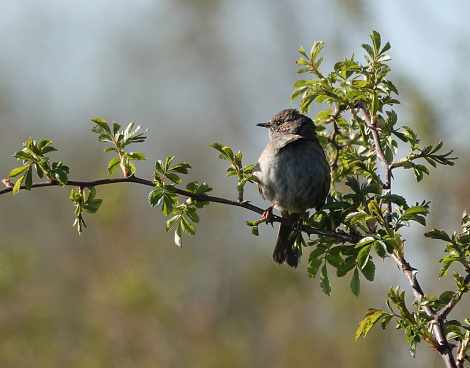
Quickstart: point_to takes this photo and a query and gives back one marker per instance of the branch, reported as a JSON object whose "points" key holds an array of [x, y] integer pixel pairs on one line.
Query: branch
{"points": [[378, 146], [453, 302], [443, 347], [353, 238]]}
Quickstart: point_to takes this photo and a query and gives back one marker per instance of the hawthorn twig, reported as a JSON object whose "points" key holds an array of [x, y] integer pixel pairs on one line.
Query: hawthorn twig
{"points": [[353, 238], [443, 346]]}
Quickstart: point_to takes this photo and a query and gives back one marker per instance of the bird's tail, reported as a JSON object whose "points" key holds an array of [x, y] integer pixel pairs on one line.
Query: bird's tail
{"points": [[284, 251]]}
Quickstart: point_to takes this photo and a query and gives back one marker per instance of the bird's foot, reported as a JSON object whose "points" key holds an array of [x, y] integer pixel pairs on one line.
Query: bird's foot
{"points": [[298, 225], [267, 215]]}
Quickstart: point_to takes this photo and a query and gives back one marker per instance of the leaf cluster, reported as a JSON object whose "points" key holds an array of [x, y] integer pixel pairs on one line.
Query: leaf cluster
{"points": [[361, 201], [84, 203], [243, 173], [457, 246], [119, 140], [184, 214], [34, 157]]}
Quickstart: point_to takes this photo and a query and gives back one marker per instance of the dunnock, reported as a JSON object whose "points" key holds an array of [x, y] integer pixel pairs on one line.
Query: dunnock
{"points": [[293, 174]]}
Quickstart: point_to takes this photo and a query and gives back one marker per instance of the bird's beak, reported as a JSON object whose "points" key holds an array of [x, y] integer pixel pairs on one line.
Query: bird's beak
{"points": [[264, 125]]}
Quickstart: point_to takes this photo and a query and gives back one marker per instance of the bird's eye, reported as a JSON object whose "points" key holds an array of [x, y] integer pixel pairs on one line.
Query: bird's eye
{"points": [[278, 122]]}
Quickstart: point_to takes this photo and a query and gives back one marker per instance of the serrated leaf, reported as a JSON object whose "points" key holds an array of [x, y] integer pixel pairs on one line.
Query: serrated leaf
{"points": [[313, 267], [348, 264], [169, 201], [359, 216], [155, 197], [355, 283], [192, 214], [116, 128], [28, 181], [61, 177], [369, 270], [325, 282], [18, 171], [297, 92], [372, 317], [187, 227], [21, 155], [113, 165], [380, 248], [172, 222], [173, 178], [445, 267], [438, 234], [92, 206], [18, 183], [181, 168], [136, 156], [101, 124], [363, 256], [178, 238]]}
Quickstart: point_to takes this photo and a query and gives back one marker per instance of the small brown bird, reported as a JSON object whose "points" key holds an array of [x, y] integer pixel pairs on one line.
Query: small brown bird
{"points": [[293, 174]]}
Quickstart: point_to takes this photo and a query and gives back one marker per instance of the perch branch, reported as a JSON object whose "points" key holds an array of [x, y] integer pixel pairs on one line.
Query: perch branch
{"points": [[353, 238]]}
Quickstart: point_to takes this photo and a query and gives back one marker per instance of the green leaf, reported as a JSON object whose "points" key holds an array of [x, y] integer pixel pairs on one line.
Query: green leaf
{"points": [[172, 222], [438, 234], [169, 201], [181, 168], [92, 206], [325, 282], [102, 124], [380, 248], [187, 227], [376, 40], [192, 214], [297, 92], [415, 214], [61, 176], [22, 155], [116, 128], [168, 160], [18, 171], [359, 216], [355, 283], [369, 49], [155, 197], [178, 238], [313, 267], [48, 149], [348, 265], [363, 256], [173, 178], [18, 183], [445, 267], [369, 270], [135, 156], [372, 317], [113, 165], [28, 182]]}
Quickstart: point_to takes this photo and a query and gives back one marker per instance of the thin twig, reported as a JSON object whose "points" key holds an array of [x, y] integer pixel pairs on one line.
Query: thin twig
{"points": [[353, 238], [437, 325], [443, 346]]}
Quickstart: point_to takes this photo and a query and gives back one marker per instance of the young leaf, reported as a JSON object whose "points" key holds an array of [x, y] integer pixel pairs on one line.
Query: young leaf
{"points": [[18, 171], [325, 282], [355, 283], [372, 317]]}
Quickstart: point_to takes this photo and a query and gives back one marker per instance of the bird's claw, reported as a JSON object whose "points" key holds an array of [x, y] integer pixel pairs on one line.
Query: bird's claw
{"points": [[267, 215], [298, 225]]}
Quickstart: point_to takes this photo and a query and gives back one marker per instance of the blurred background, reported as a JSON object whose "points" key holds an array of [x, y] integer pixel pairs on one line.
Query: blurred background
{"points": [[195, 72]]}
